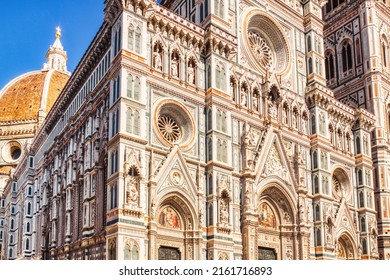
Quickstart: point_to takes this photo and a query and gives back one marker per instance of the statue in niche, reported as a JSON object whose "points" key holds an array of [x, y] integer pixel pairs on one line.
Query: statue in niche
{"points": [[294, 120], [191, 72], [255, 103], [339, 140], [272, 111], [328, 229], [233, 90], [302, 210], [157, 57], [131, 190], [302, 156], [304, 125], [243, 98], [285, 116], [247, 199], [175, 66], [132, 186], [248, 138], [287, 218], [200, 217], [224, 214], [373, 244]]}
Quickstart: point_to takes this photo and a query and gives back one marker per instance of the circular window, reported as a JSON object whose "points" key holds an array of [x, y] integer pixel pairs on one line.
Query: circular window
{"points": [[169, 128], [12, 151], [15, 153], [174, 123], [264, 43], [340, 184], [260, 49]]}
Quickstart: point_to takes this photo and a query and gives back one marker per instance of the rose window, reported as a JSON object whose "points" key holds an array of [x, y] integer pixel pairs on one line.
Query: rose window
{"points": [[260, 49], [169, 128], [264, 43], [337, 186]]}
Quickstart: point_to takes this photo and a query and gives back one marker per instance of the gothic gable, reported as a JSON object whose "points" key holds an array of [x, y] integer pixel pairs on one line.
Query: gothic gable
{"points": [[344, 220], [175, 176], [273, 161]]}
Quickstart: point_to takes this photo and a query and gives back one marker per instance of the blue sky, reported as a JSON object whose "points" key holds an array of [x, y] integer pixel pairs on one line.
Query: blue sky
{"points": [[28, 28]]}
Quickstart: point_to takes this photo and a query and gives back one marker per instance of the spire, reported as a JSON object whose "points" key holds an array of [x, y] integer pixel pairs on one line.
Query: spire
{"points": [[56, 56]]}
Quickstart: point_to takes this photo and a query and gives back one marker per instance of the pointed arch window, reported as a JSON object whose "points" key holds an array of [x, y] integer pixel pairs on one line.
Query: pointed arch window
{"points": [[385, 53], [362, 224], [329, 66], [358, 149], [309, 47], [219, 8], [310, 66], [28, 209], [218, 76], [314, 160], [369, 200], [224, 121], [219, 150], [318, 237], [210, 149], [132, 121], [358, 51], [27, 245], [210, 214], [360, 177], [133, 87], [134, 39], [221, 120], [364, 246], [112, 250], [365, 145], [224, 151], [113, 196], [131, 252], [346, 55], [315, 184], [117, 39], [361, 199]]}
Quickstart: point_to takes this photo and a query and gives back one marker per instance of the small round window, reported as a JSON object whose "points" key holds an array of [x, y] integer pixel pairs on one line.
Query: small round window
{"points": [[15, 153], [11, 151]]}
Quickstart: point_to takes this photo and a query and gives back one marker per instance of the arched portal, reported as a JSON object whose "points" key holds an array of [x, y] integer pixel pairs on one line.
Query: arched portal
{"points": [[276, 219], [176, 237], [345, 249]]}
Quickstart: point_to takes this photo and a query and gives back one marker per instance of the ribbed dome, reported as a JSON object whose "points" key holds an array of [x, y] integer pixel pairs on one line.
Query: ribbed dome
{"points": [[24, 97]]}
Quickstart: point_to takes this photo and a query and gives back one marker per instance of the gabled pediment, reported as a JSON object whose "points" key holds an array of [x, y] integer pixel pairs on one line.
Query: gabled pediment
{"points": [[174, 176], [344, 220], [273, 160]]}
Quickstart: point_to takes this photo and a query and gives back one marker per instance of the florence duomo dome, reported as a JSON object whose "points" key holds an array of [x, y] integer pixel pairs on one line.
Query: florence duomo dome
{"points": [[24, 103]]}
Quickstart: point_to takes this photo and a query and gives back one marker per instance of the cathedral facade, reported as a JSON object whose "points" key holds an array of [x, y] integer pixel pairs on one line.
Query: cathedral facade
{"points": [[219, 130]]}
